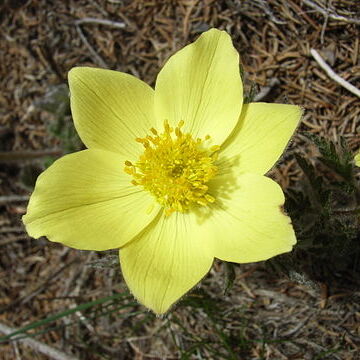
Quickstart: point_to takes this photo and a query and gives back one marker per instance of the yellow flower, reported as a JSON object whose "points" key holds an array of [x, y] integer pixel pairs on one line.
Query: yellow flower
{"points": [[172, 176], [357, 159]]}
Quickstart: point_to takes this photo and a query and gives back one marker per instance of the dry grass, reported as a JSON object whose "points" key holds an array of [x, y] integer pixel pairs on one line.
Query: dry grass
{"points": [[274, 318]]}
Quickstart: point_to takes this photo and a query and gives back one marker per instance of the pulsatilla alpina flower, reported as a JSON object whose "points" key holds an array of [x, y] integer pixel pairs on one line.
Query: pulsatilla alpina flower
{"points": [[173, 177]]}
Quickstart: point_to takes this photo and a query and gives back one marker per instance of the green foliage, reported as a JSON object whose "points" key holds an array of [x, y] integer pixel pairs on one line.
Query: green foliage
{"points": [[324, 208], [221, 342], [96, 308], [336, 157]]}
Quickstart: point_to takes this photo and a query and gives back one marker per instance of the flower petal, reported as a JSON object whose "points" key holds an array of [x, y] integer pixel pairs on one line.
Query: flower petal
{"points": [[86, 201], [201, 85], [261, 136], [247, 222], [110, 109], [165, 261], [357, 159]]}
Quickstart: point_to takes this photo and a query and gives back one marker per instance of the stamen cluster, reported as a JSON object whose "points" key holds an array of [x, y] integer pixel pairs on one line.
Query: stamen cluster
{"points": [[175, 169]]}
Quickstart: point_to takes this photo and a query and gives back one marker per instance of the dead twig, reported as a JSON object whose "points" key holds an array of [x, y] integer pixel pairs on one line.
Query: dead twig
{"points": [[97, 57], [265, 6], [281, 298], [22, 155], [104, 22], [38, 346], [110, 23], [300, 325], [26, 298], [330, 72], [266, 90], [76, 292], [13, 239], [15, 229], [331, 14], [13, 198]]}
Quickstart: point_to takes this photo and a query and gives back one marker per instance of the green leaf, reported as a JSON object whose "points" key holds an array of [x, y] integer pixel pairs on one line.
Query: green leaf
{"points": [[52, 318]]}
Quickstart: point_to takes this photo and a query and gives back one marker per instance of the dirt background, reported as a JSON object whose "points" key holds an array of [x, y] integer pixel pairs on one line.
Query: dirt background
{"points": [[262, 316]]}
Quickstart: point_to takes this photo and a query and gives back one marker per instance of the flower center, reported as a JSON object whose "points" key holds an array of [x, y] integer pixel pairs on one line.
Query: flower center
{"points": [[175, 168]]}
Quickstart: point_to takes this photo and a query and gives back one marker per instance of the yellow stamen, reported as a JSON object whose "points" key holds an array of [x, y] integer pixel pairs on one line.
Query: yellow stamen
{"points": [[175, 168], [167, 127]]}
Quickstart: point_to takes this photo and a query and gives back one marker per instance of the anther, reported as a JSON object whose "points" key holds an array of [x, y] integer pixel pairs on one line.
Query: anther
{"points": [[209, 198], [202, 202], [167, 127], [178, 132], [215, 148]]}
